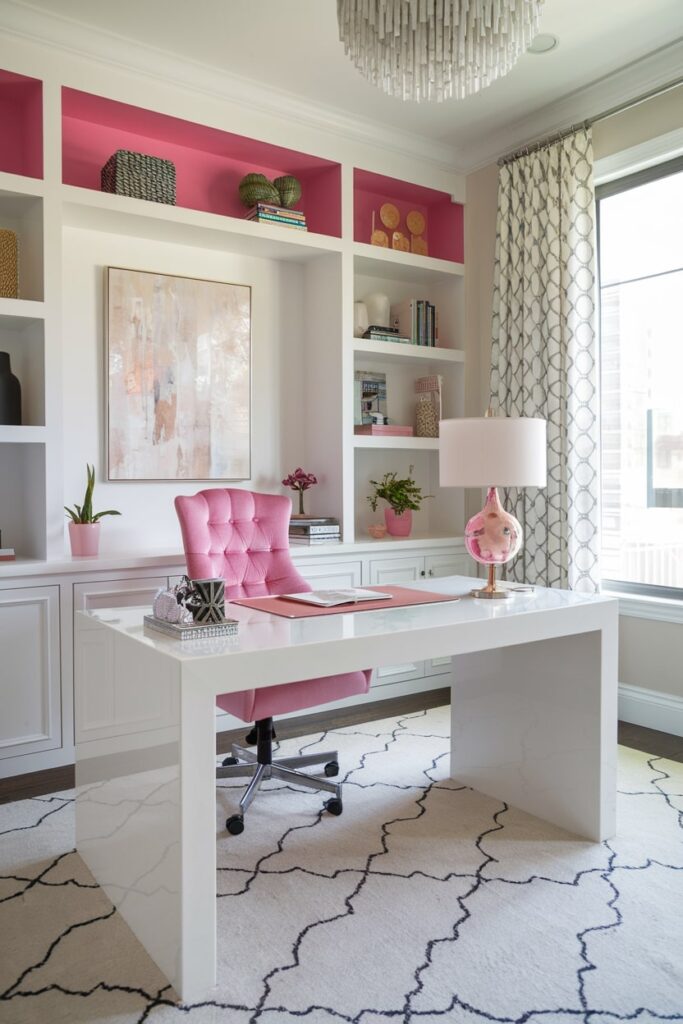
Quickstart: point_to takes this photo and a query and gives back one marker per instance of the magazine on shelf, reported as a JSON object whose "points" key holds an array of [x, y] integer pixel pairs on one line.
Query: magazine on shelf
{"points": [[370, 395], [331, 598], [192, 630]]}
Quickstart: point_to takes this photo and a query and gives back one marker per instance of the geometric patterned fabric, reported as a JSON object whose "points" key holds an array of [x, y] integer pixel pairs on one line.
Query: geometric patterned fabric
{"points": [[544, 353]]}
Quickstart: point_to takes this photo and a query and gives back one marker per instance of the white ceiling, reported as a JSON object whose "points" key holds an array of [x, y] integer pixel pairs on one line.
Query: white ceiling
{"points": [[292, 48]]}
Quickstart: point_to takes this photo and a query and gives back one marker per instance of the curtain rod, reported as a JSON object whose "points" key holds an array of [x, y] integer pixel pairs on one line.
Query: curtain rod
{"points": [[557, 136]]}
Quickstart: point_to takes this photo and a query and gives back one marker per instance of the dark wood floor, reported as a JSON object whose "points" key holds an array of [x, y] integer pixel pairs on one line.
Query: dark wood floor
{"points": [[53, 780]]}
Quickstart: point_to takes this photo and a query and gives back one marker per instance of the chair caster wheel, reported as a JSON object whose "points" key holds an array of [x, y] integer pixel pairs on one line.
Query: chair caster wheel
{"points": [[332, 768], [226, 762], [235, 824], [334, 805]]}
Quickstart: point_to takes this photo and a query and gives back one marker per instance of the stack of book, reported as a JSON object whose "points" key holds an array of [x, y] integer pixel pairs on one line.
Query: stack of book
{"points": [[314, 530], [386, 334], [418, 320], [266, 213]]}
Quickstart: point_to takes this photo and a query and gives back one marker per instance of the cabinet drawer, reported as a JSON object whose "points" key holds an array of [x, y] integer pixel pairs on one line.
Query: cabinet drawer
{"points": [[30, 691], [117, 593]]}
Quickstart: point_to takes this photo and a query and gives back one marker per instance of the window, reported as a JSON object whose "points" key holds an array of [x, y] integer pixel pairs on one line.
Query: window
{"points": [[640, 233]]}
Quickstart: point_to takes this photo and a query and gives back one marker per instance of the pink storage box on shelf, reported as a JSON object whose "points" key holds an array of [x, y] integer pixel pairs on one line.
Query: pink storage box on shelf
{"points": [[384, 430]]}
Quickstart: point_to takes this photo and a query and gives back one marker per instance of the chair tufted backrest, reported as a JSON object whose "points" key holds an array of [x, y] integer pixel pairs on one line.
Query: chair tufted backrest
{"points": [[242, 537]]}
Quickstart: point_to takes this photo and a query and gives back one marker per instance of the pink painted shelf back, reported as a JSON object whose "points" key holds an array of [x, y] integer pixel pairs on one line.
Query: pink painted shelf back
{"points": [[209, 163], [21, 117], [444, 232]]}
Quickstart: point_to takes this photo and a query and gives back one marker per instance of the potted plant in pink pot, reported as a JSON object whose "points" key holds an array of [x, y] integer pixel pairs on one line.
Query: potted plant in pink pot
{"points": [[403, 497], [84, 528]]}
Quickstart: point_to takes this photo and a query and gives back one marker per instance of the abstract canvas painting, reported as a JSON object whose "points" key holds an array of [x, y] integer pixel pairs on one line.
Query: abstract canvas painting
{"points": [[178, 375]]}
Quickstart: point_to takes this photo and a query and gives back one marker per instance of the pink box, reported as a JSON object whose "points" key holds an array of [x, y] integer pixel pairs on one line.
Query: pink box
{"points": [[384, 430]]}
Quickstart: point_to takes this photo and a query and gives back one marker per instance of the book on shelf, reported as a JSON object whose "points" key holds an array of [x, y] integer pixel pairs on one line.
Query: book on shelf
{"points": [[314, 530], [383, 430], [317, 538], [7, 555], [191, 630], [286, 222], [276, 211], [379, 335], [369, 395], [331, 598], [304, 520], [416, 319]]}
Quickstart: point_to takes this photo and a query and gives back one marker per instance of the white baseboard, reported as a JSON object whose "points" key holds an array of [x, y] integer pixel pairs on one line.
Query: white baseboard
{"points": [[651, 708]]}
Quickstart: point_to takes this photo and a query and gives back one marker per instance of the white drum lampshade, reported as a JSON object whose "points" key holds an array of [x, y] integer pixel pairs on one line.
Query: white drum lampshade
{"points": [[492, 452]]}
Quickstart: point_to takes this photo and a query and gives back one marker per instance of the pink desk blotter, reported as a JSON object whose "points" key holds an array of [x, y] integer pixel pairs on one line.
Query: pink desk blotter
{"points": [[401, 597]]}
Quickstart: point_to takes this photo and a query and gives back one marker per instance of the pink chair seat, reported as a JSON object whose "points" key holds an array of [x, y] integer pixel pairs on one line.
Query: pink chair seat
{"points": [[243, 537]]}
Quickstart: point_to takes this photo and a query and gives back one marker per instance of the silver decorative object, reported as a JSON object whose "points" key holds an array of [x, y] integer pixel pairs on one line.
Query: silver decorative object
{"points": [[436, 49]]}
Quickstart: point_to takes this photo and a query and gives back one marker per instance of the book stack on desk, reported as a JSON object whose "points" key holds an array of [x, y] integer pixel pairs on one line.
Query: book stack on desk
{"points": [[192, 630], [314, 530]]}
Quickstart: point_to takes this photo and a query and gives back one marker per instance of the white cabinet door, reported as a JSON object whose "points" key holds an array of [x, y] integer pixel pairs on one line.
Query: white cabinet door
{"points": [[443, 563], [30, 693], [329, 575], [403, 569], [449, 563], [117, 593], [400, 569]]}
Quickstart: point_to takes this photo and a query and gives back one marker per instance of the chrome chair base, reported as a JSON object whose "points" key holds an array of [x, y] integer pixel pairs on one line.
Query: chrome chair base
{"points": [[245, 764]]}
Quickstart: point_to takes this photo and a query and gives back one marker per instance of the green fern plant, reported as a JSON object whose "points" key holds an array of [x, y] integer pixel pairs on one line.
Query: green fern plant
{"points": [[84, 513], [400, 494]]}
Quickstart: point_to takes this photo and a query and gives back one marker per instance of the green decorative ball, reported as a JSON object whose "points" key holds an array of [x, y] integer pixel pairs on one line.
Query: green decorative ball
{"points": [[256, 188], [289, 189]]}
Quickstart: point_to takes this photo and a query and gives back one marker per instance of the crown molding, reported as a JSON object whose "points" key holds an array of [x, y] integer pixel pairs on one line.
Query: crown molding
{"points": [[107, 48], [657, 70]]}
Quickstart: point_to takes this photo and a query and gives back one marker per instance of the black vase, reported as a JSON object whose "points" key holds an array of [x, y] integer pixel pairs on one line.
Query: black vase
{"points": [[10, 394]]}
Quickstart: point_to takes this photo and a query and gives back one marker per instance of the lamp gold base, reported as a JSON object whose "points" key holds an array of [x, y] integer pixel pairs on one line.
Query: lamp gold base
{"points": [[491, 592]]}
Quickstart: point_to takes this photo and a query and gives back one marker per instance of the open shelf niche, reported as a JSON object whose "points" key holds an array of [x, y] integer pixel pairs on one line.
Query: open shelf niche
{"points": [[24, 339], [22, 505], [23, 214], [443, 218], [401, 276], [209, 162], [21, 117]]}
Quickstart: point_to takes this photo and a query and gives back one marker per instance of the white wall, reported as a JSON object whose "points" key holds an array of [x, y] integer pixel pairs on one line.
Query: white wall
{"points": [[650, 653], [148, 521]]}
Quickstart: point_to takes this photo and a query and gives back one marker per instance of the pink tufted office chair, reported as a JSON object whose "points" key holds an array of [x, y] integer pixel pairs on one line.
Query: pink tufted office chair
{"points": [[243, 537]]}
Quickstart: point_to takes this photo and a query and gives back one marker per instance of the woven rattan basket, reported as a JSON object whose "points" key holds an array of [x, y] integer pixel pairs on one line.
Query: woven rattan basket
{"points": [[9, 264], [140, 176]]}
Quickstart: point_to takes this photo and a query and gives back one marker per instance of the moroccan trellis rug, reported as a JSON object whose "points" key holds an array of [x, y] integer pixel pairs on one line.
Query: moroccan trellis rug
{"points": [[424, 902]]}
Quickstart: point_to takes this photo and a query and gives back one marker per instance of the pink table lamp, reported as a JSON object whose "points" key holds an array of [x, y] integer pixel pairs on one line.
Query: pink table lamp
{"points": [[492, 451]]}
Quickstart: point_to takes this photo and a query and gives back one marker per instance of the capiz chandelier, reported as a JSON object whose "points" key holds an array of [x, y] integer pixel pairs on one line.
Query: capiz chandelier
{"points": [[436, 49]]}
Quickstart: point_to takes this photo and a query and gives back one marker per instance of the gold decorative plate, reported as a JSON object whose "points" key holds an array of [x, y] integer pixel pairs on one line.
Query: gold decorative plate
{"points": [[415, 222], [389, 215]]}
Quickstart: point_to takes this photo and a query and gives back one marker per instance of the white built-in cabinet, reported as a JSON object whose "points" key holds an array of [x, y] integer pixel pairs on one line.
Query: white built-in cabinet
{"points": [[30, 672], [39, 721]]}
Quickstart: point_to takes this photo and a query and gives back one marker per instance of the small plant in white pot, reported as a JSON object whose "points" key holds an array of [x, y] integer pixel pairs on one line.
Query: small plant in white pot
{"points": [[84, 528], [403, 496]]}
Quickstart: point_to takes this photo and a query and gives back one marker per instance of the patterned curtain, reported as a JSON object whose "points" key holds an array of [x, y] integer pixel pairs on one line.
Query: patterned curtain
{"points": [[544, 360]]}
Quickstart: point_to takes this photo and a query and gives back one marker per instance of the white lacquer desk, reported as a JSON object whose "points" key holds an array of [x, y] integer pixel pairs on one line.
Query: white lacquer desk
{"points": [[534, 723]]}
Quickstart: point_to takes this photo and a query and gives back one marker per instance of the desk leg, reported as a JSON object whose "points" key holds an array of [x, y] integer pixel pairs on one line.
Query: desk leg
{"points": [[535, 725], [145, 800]]}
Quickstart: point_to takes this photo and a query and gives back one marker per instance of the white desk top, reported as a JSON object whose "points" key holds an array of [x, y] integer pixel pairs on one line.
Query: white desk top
{"points": [[261, 632]]}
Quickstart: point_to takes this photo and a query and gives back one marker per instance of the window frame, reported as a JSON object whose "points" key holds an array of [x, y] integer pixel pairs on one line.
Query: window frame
{"points": [[604, 190]]}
